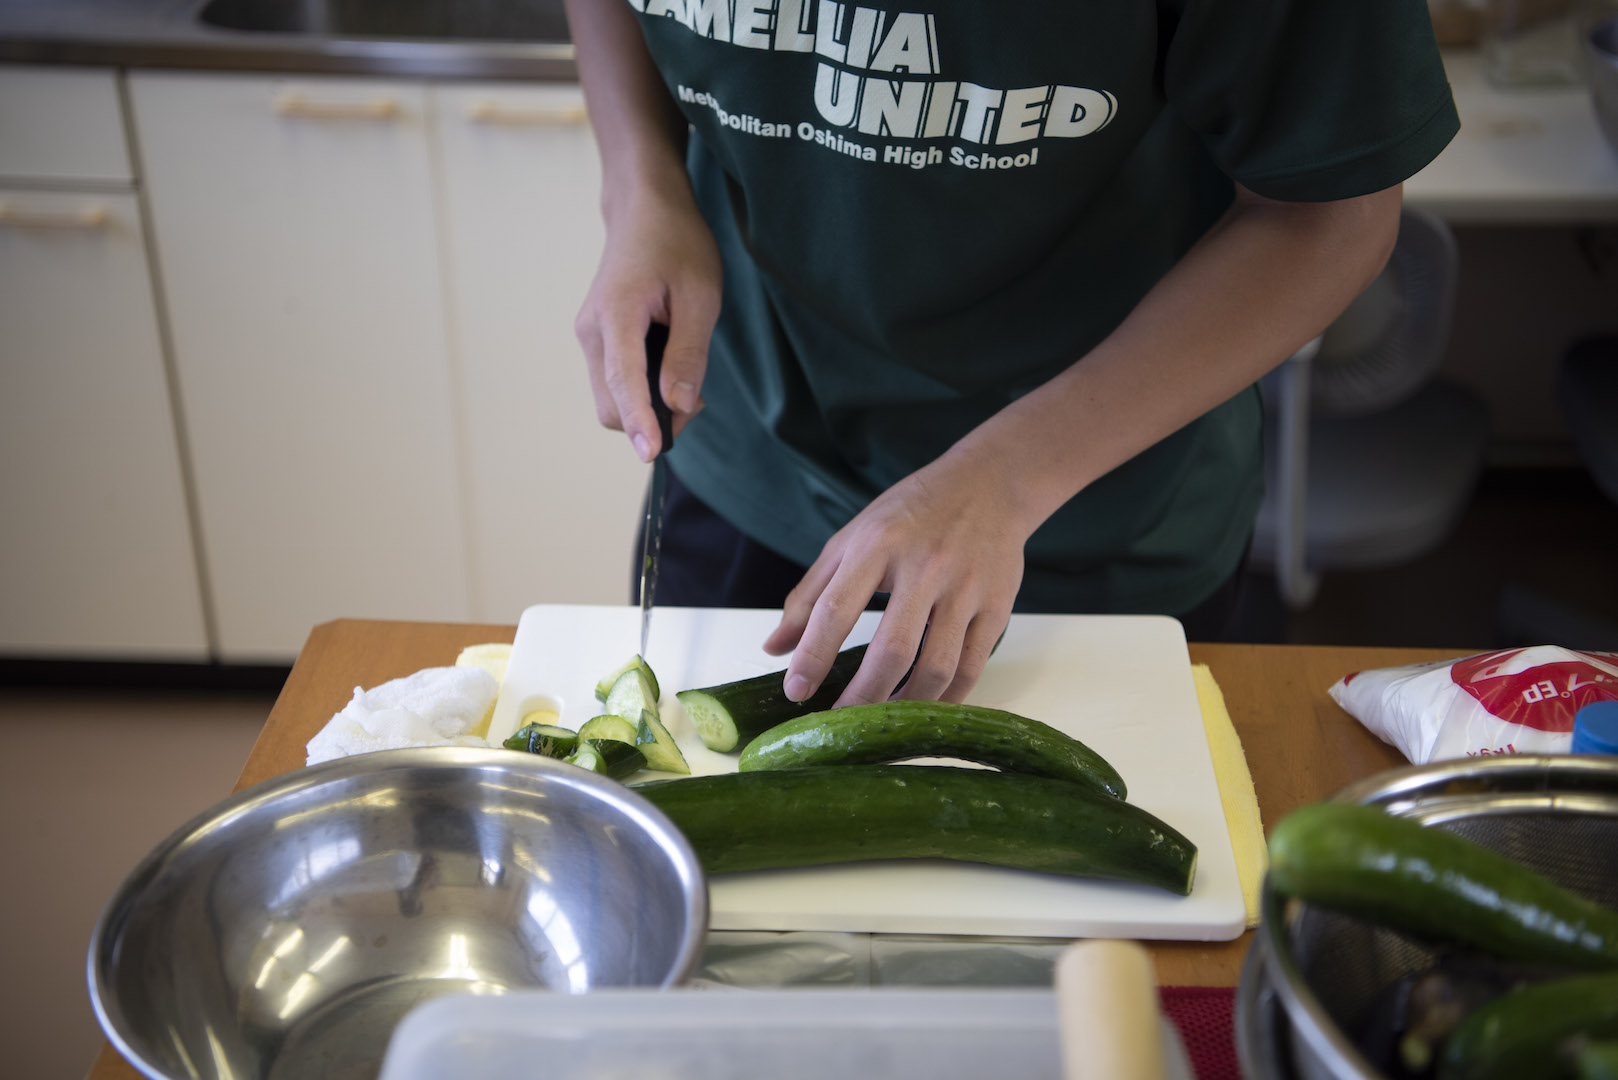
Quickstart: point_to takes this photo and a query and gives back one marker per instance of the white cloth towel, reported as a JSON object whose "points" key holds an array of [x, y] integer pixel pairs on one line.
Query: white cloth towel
{"points": [[440, 706]]}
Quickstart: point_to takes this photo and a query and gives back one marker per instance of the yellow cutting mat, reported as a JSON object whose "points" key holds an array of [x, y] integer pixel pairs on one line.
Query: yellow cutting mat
{"points": [[1235, 790]]}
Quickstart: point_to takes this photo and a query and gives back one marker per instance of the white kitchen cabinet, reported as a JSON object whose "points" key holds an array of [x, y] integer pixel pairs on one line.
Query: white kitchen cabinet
{"points": [[96, 555], [295, 229], [552, 497], [61, 126]]}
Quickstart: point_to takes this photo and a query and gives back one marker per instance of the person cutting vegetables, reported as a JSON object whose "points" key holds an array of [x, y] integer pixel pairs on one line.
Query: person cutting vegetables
{"points": [[967, 302]]}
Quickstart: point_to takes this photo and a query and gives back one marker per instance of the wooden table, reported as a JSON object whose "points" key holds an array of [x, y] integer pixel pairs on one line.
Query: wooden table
{"points": [[1300, 745]]}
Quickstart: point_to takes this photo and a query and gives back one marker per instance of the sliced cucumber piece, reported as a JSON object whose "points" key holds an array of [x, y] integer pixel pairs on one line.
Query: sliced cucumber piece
{"points": [[587, 757], [730, 714], [604, 687], [609, 727], [632, 693], [618, 759], [662, 753], [609, 757], [547, 740]]}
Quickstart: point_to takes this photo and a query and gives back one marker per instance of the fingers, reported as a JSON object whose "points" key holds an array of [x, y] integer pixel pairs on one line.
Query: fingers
{"points": [[817, 618], [981, 635], [928, 543], [624, 373], [586, 329], [892, 650], [940, 624], [939, 656], [618, 380], [821, 611], [801, 601], [685, 359], [831, 619], [661, 266]]}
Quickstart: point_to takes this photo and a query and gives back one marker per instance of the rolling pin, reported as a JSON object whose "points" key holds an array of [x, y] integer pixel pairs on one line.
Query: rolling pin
{"points": [[1106, 1003]]}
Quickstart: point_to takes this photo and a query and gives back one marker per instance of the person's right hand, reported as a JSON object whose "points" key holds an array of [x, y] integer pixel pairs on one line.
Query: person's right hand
{"points": [[660, 264]]}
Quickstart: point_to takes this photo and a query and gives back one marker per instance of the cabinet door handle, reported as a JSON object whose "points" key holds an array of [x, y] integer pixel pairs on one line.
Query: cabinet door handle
{"points": [[89, 217], [490, 112], [304, 108]]}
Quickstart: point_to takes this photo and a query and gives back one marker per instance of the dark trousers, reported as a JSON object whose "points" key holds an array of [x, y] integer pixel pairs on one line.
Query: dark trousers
{"points": [[707, 562]]}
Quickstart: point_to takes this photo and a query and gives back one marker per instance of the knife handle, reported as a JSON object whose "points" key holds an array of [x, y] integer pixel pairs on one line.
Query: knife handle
{"points": [[657, 337]]}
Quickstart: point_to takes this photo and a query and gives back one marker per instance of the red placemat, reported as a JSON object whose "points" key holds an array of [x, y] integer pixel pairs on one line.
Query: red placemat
{"points": [[1205, 1017]]}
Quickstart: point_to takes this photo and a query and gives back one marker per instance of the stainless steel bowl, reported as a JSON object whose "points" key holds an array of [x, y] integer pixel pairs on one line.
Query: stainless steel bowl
{"points": [[1312, 976], [286, 931], [1601, 45]]}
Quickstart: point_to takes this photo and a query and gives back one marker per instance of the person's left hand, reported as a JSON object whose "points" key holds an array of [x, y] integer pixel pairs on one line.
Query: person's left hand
{"points": [[945, 543]]}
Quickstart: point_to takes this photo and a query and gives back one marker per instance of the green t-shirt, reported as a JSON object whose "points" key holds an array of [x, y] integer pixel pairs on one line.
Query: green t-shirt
{"points": [[926, 213]]}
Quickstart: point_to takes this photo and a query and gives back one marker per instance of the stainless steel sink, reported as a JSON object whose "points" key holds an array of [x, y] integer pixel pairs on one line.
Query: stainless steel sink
{"points": [[395, 20], [459, 39]]}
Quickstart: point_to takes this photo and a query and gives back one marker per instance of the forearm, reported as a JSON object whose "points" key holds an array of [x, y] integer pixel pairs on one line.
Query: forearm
{"points": [[660, 263], [639, 131], [1268, 278], [946, 542]]}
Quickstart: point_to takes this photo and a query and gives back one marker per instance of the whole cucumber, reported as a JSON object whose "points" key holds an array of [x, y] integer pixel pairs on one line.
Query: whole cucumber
{"points": [[1430, 883], [811, 817], [1537, 1031], [895, 730]]}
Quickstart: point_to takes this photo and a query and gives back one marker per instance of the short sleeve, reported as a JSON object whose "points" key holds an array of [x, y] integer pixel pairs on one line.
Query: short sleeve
{"points": [[1310, 100]]}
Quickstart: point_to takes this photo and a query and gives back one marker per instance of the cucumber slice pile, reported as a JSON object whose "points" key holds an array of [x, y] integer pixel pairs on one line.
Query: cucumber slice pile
{"points": [[633, 696], [620, 742]]}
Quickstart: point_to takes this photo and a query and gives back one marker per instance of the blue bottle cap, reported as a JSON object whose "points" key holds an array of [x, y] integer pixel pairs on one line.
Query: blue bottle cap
{"points": [[1595, 728]]}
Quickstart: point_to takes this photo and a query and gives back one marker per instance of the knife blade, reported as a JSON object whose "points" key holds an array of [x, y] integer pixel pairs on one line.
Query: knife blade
{"points": [[657, 337]]}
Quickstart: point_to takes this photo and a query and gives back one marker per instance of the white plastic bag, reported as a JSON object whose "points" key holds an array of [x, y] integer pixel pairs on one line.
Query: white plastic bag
{"points": [[1517, 701], [441, 706]]}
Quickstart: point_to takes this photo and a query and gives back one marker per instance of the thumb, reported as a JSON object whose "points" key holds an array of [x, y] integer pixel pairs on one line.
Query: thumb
{"points": [[685, 360]]}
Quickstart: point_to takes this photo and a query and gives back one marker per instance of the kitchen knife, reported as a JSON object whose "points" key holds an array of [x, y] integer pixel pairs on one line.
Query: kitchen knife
{"points": [[657, 336]]}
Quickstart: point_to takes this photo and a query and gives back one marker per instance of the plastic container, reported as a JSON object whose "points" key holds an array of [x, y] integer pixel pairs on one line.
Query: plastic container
{"points": [[1595, 728], [785, 1034]]}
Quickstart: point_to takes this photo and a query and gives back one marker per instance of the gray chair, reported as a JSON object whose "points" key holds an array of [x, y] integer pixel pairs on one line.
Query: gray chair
{"points": [[1587, 397], [1587, 394], [1370, 457]]}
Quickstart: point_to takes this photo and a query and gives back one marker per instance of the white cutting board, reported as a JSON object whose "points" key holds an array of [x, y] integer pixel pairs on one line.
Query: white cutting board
{"points": [[1120, 683]]}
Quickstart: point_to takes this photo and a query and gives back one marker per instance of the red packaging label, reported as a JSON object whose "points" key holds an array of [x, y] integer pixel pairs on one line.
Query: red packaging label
{"points": [[1544, 696]]}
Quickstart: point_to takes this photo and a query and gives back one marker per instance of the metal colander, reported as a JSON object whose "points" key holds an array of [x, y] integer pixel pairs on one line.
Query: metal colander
{"points": [[1316, 983]]}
